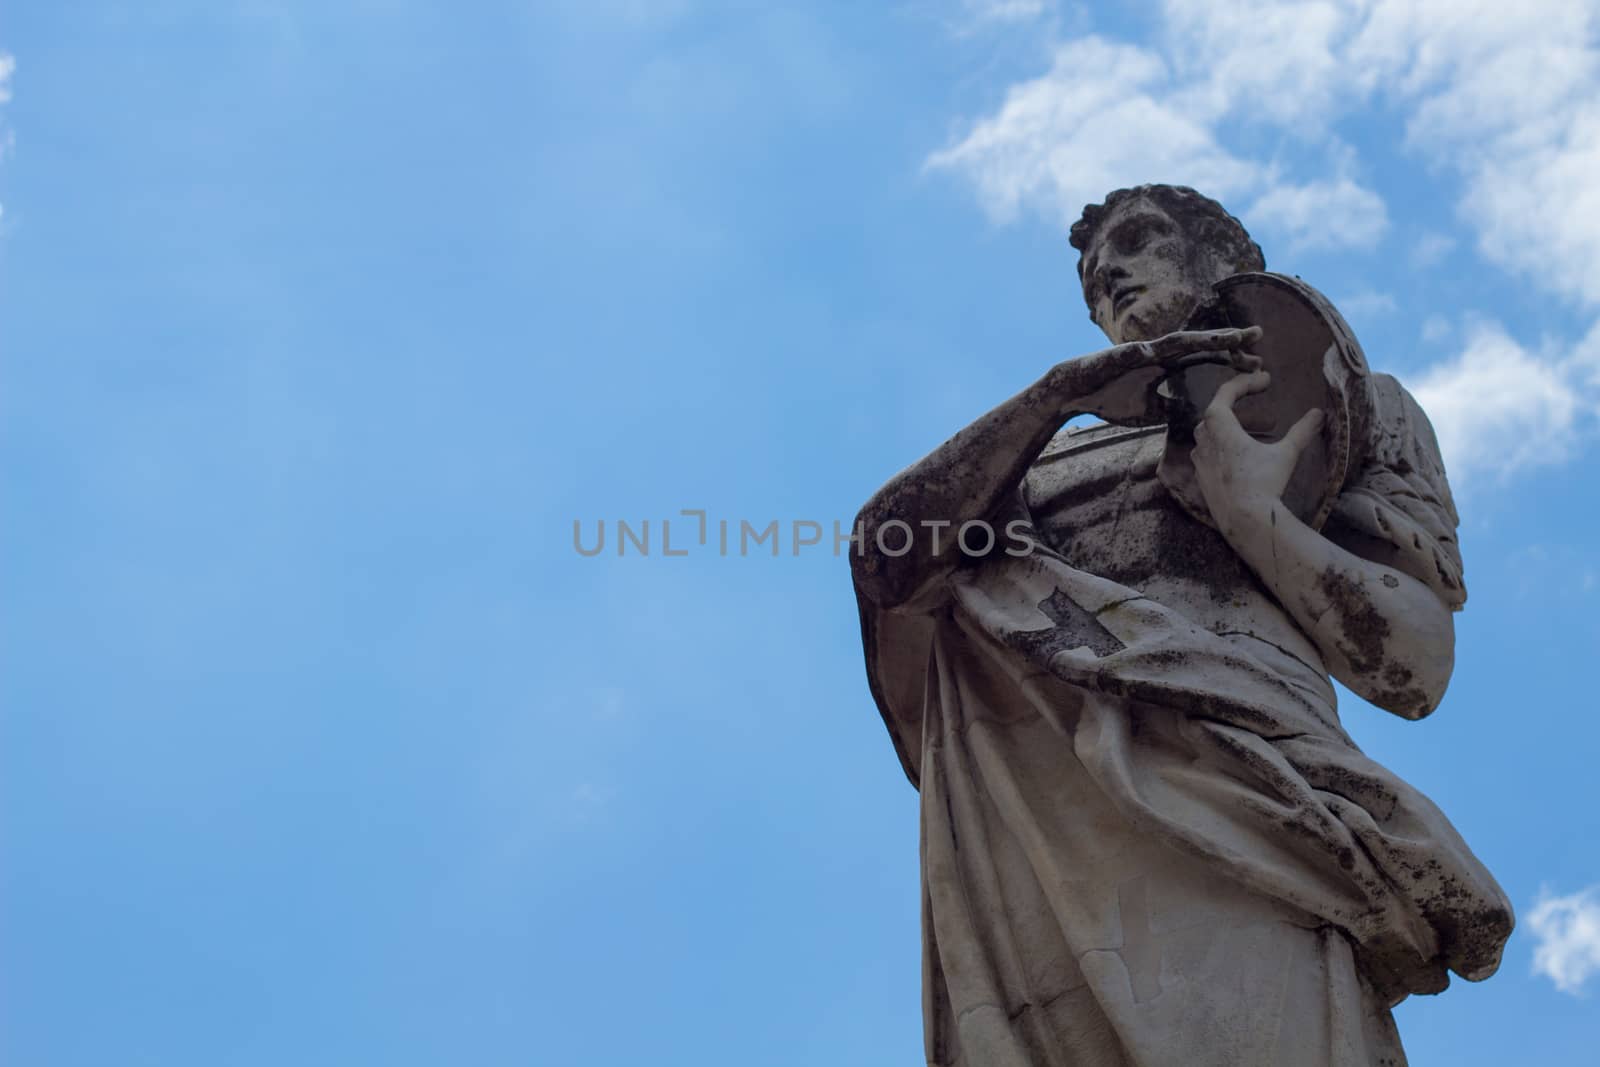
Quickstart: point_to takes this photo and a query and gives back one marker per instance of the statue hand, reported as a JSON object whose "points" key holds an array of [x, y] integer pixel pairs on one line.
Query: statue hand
{"points": [[1118, 384], [1240, 477]]}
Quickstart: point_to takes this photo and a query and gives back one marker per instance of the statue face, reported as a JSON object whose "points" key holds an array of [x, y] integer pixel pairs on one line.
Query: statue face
{"points": [[1142, 276]]}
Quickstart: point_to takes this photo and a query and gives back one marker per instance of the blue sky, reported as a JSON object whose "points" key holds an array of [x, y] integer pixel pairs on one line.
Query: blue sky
{"points": [[321, 324]]}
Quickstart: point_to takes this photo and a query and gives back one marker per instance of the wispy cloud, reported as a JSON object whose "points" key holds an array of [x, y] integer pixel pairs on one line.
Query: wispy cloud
{"points": [[1505, 97], [1431, 248], [1271, 61], [1101, 117], [1323, 214], [1007, 10], [1368, 303], [1111, 113], [1568, 929], [1509, 97], [628, 14], [8, 67], [1498, 407]]}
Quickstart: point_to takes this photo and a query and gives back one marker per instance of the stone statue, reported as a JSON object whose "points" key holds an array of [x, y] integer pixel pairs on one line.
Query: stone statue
{"points": [[1146, 837]]}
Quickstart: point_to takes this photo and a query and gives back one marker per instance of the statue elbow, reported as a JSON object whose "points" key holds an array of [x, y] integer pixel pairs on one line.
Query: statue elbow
{"points": [[874, 572], [904, 575], [1410, 705], [1415, 689]]}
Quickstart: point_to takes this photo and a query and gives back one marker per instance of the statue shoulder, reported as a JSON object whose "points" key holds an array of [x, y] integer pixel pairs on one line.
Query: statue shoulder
{"points": [[1401, 440], [1398, 508]]}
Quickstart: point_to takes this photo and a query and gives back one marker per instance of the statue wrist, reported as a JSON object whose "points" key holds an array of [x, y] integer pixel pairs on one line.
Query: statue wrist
{"points": [[1247, 515]]}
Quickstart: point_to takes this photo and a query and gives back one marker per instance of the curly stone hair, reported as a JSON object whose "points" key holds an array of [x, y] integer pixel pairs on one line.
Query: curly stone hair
{"points": [[1202, 218]]}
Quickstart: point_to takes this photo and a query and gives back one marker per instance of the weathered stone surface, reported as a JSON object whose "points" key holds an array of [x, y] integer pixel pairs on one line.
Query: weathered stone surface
{"points": [[1146, 837]]}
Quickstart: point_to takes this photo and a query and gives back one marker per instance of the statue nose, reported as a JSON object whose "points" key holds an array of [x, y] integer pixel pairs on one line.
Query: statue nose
{"points": [[1108, 275]]}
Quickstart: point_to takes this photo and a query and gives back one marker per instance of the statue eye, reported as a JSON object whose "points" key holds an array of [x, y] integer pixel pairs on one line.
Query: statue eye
{"points": [[1133, 235]]}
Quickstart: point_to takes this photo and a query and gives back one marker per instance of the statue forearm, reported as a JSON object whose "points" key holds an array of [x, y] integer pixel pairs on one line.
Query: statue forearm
{"points": [[968, 477], [972, 475], [1385, 635]]}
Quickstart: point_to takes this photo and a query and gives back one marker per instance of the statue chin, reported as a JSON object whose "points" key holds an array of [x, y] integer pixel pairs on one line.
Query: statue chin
{"points": [[1155, 314], [1134, 328], [1146, 324]]}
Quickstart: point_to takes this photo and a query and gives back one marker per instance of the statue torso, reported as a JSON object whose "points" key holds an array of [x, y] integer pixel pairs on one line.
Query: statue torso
{"points": [[1096, 499]]}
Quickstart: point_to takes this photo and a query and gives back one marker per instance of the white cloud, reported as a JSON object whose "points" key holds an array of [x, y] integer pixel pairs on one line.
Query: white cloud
{"points": [[1539, 211], [1568, 929], [1323, 214], [1431, 248], [1435, 328], [629, 14], [1265, 60], [1505, 97], [1110, 114], [8, 67], [1498, 408], [1101, 118], [1509, 97], [1367, 304], [1007, 10], [1585, 362]]}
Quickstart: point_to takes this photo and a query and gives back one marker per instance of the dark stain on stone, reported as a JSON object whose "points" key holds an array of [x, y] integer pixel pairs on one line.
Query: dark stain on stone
{"points": [[1366, 631], [1077, 626], [1412, 703]]}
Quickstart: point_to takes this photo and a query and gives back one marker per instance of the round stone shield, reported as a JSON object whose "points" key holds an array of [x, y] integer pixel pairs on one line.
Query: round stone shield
{"points": [[1315, 362]]}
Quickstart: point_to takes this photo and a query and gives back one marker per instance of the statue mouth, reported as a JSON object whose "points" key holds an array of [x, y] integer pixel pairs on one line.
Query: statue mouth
{"points": [[1123, 297]]}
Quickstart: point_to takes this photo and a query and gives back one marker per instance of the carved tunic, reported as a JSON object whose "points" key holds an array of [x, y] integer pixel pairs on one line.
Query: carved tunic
{"points": [[1146, 838], [1096, 500]]}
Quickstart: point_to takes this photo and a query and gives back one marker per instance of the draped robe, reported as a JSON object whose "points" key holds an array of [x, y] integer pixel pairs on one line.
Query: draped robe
{"points": [[1146, 837]]}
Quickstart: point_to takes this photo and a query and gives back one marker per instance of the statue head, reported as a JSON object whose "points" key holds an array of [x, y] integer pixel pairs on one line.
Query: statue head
{"points": [[1149, 255]]}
